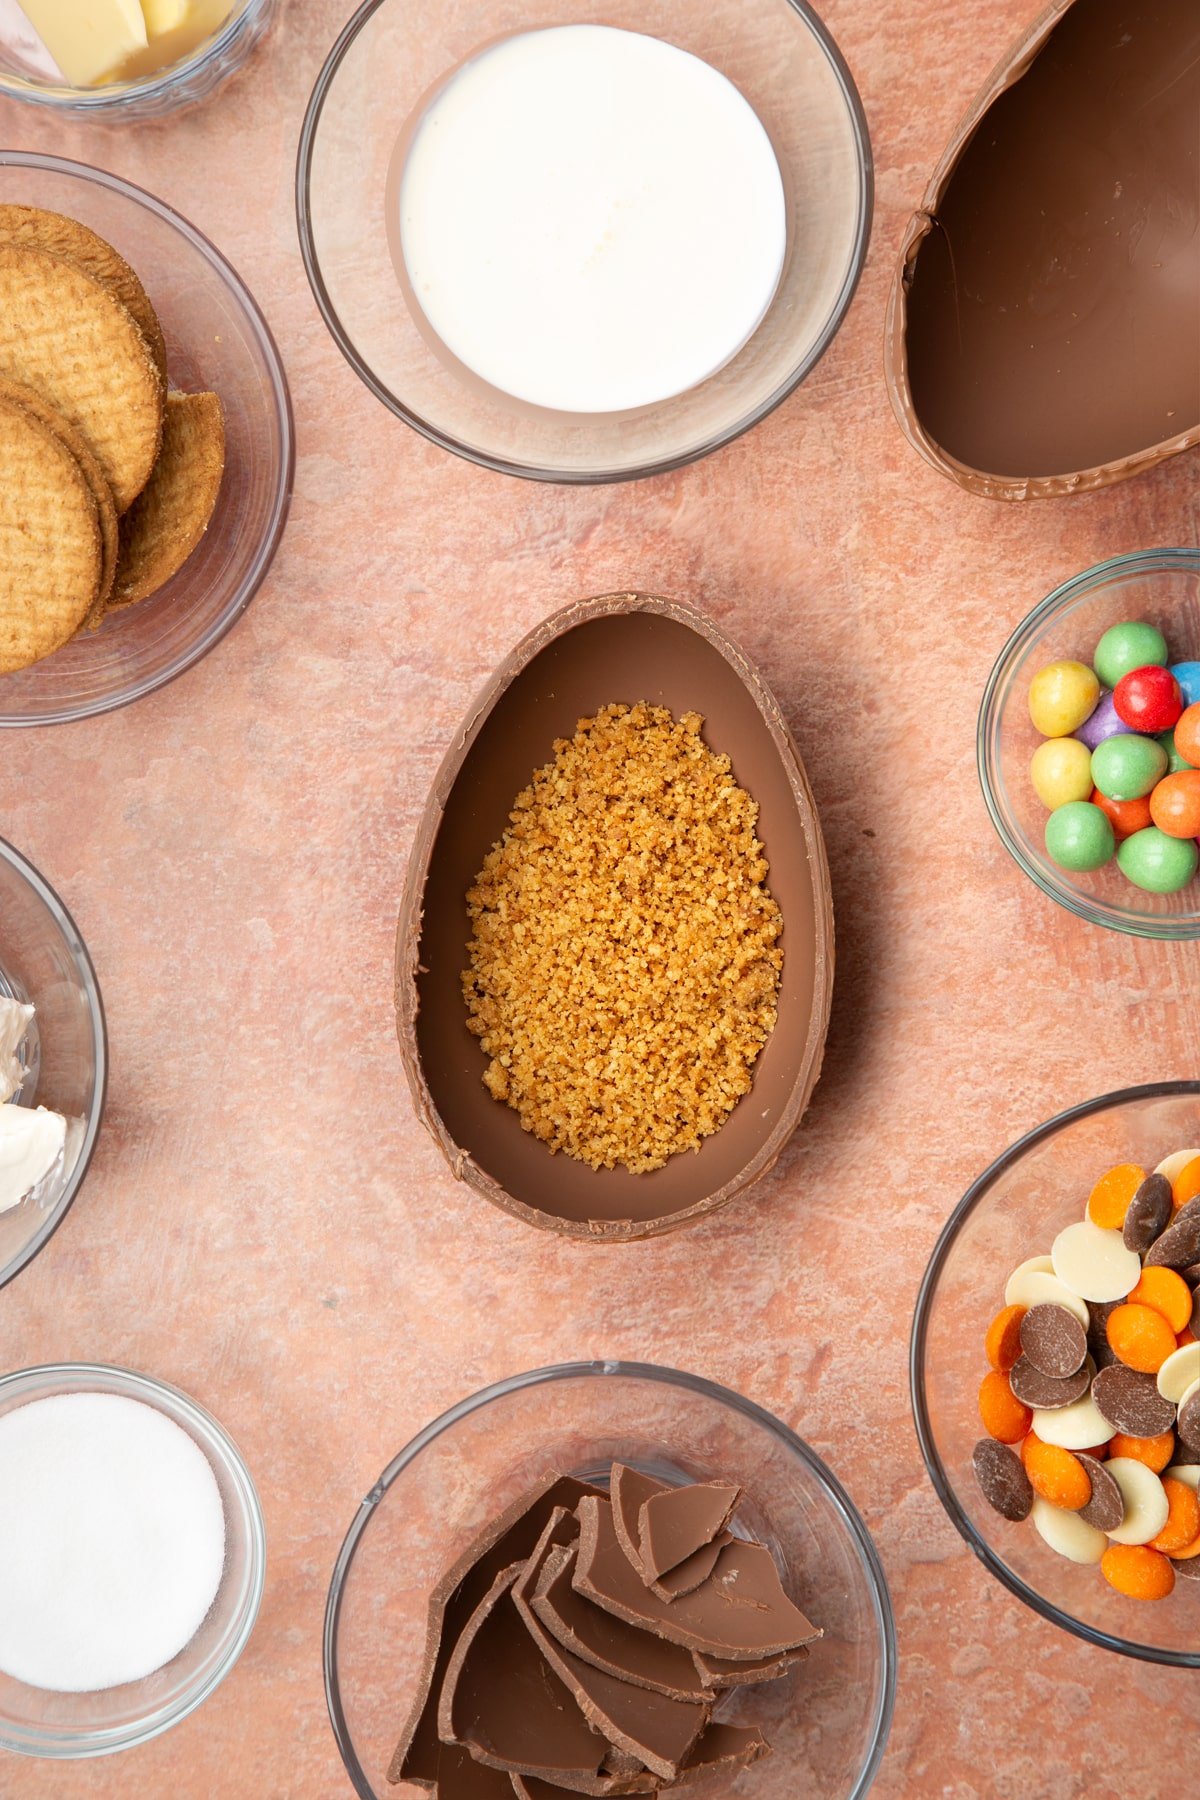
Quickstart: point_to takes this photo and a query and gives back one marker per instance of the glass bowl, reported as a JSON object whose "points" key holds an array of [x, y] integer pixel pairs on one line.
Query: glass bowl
{"points": [[375, 82], [218, 339], [1161, 586], [1014, 1211], [192, 77], [43, 961], [34, 1722], [827, 1721]]}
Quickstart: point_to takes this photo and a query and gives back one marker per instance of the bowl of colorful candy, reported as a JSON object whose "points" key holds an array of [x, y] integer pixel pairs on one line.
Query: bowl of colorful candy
{"points": [[1056, 1371], [1089, 744]]}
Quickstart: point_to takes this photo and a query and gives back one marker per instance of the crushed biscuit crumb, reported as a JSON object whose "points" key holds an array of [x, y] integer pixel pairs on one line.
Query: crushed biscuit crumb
{"points": [[624, 967]]}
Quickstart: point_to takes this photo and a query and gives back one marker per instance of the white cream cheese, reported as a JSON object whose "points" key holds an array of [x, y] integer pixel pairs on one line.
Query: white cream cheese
{"points": [[31, 1142], [15, 1020]]}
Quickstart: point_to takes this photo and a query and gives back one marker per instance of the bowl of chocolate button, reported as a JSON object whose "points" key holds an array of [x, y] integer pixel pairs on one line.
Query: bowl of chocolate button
{"points": [[1055, 1368], [536, 1596], [614, 959], [1057, 237]]}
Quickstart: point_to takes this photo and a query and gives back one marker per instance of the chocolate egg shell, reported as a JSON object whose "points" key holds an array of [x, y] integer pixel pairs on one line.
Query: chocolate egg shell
{"points": [[1041, 335], [619, 648]]}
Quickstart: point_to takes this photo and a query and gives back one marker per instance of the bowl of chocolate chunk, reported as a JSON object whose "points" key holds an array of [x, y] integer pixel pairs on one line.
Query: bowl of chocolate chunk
{"points": [[614, 959], [1042, 326], [53, 1061], [146, 445], [1056, 1371], [608, 1579]]}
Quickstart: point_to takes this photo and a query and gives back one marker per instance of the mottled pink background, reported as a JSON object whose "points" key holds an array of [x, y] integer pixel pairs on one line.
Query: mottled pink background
{"points": [[266, 1225]]}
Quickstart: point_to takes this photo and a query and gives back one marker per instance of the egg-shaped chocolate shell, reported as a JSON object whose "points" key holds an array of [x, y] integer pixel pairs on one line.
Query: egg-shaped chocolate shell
{"points": [[1043, 333], [619, 648]]}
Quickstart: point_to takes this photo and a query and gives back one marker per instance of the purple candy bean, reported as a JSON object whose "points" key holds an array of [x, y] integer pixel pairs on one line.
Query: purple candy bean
{"points": [[1102, 723]]}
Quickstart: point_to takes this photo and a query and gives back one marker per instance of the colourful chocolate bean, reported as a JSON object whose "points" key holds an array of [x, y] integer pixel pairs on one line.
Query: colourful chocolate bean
{"points": [[1101, 723], [1148, 699], [1062, 696], [1061, 770], [1156, 863], [1127, 767], [1079, 836], [1130, 645]]}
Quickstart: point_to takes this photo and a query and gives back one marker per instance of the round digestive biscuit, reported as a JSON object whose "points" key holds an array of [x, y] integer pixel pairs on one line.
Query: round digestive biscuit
{"points": [[1131, 1402], [62, 333], [32, 402], [51, 556], [1106, 1508], [78, 244], [169, 518], [1053, 1340]]}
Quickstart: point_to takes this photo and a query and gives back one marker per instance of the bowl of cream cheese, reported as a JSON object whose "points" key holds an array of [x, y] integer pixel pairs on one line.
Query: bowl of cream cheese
{"points": [[53, 1061]]}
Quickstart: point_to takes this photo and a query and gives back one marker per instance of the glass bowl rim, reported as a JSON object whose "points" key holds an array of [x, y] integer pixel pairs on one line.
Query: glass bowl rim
{"points": [[663, 465], [95, 1004], [98, 1377], [934, 1467], [261, 332], [60, 96], [668, 1377], [1166, 928]]}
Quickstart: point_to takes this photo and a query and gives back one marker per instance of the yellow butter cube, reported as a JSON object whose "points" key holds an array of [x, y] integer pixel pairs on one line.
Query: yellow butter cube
{"points": [[88, 42], [164, 15]]}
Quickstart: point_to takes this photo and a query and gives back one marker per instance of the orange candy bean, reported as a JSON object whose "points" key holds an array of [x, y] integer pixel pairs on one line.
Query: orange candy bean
{"points": [[1002, 1413], [1137, 1571], [1125, 816], [1165, 1292], [1187, 734], [1003, 1340], [1056, 1475], [1156, 1452], [1140, 1338], [1186, 1185], [1175, 804], [1109, 1200], [1188, 1552], [1183, 1521]]}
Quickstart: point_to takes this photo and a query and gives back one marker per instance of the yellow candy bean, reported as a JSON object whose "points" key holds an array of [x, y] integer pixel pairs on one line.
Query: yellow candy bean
{"points": [[1061, 697], [1061, 770]]}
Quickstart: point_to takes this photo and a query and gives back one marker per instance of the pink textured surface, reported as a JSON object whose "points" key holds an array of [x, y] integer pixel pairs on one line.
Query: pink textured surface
{"points": [[266, 1225]]}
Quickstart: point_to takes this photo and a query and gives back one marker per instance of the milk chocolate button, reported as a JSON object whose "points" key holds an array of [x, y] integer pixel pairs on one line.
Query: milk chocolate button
{"points": [[1054, 1341], [1099, 1348], [1094, 1263], [1002, 1480], [1188, 1568], [1188, 1423], [1132, 1402], [1195, 1324], [1046, 1392], [1179, 1245], [1146, 1504], [1149, 1214], [1106, 1508]]}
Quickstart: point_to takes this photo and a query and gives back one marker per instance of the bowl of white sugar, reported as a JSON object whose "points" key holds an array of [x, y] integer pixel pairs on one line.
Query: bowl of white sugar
{"points": [[583, 246], [132, 1559]]}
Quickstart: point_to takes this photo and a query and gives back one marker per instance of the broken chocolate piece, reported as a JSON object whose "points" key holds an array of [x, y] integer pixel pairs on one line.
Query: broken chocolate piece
{"points": [[741, 1611], [729, 1747], [649, 1726], [1106, 1508], [1148, 1214], [1053, 1340], [1002, 1480], [629, 1493], [675, 1524], [610, 1643], [693, 1572], [503, 1703], [1045, 1392], [1132, 1402], [508, 1539], [716, 1673]]}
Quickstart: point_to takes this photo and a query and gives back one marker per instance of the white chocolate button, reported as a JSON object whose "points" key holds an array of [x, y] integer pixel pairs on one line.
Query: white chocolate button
{"points": [[1180, 1372], [1173, 1166], [1037, 1287], [1094, 1263], [1067, 1533], [1080, 1426], [1033, 1265], [1188, 1473], [1145, 1497]]}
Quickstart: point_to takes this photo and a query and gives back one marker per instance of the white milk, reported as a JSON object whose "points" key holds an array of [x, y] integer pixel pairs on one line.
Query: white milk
{"points": [[591, 220]]}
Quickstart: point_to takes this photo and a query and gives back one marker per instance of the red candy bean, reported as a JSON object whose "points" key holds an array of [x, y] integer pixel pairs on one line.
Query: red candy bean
{"points": [[1148, 700]]}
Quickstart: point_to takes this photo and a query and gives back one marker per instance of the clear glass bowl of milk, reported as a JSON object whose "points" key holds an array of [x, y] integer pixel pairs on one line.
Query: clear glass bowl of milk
{"points": [[576, 251], [131, 59], [62, 1056]]}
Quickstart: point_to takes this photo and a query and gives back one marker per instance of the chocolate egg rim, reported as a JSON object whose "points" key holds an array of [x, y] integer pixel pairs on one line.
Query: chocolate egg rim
{"points": [[411, 919], [1006, 73]]}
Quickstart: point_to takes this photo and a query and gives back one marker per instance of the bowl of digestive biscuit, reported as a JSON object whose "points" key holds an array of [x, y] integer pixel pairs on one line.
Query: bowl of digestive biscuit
{"points": [[146, 443]]}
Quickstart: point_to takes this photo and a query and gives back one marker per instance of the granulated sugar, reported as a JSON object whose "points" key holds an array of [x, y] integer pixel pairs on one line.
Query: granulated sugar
{"points": [[112, 1541]]}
